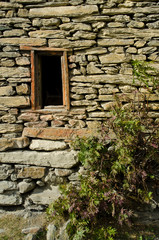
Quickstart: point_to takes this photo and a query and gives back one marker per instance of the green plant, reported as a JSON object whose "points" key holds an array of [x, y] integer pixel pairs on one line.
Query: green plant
{"points": [[146, 237], [118, 170], [146, 74], [4, 238], [41, 235]]}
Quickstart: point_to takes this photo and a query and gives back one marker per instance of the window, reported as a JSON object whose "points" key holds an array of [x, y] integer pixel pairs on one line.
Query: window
{"points": [[49, 78]]}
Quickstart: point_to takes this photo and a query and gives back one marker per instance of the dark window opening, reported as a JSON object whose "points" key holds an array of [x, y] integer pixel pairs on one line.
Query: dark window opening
{"points": [[49, 78], [51, 75]]}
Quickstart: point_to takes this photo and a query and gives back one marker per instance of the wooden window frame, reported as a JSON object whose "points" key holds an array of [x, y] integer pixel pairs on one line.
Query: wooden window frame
{"points": [[36, 96]]}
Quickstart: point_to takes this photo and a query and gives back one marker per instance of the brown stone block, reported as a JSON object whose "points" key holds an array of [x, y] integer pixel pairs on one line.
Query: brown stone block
{"points": [[7, 5], [113, 58], [58, 133], [31, 172], [28, 1], [15, 101], [29, 117], [6, 91], [47, 34], [105, 78], [13, 143], [57, 123], [7, 128], [115, 42], [47, 117], [14, 33], [22, 89], [66, 43], [39, 124], [23, 41], [14, 72], [68, 11], [8, 118]]}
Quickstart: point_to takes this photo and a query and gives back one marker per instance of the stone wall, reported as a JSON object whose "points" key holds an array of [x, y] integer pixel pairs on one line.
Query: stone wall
{"points": [[102, 37]]}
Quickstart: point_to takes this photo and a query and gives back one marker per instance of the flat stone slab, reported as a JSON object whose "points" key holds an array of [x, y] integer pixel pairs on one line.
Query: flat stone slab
{"points": [[46, 196], [57, 159], [47, 145], [58, 133], [113, 58], [104, 78], [14, 72], [7, 186], [10, 199], [23, 41], [31, 172], [7, 128], [67, 11], [13, 143], [15, 101]]}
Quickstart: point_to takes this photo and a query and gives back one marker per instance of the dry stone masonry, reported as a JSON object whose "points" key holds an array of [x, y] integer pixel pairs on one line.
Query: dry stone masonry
{"points": [[101, 37]]}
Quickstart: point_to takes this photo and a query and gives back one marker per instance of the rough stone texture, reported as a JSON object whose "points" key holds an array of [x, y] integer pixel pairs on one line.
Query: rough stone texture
{"points": [[57, 159], [29, 117], [31, 172], [6, 128], [6, 91], [115, 42], [45, 196], [10, 199], [115, 79], [15, 101], [4, 170], [27, 1], [15, 32], [56, 134], [7, 62], [22, 89], [7, 5], [65, 43], [48, 34], [46, 145], [51, 232], [23, 41], [22, 61], [13, 143], [39, 124], [75, 27], [8, 118], [7, 186], [71, 11], [113, 58], [14, 72], [92, 69], [62, 172], [26, 187]]}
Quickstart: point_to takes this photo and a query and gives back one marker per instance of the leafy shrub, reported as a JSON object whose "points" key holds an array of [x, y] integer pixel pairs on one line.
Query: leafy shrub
{"points": [[146, 74], [118, 167]]}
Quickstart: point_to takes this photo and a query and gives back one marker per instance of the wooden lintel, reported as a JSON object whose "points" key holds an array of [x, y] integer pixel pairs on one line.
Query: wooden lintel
{"points": [[30, 48]]}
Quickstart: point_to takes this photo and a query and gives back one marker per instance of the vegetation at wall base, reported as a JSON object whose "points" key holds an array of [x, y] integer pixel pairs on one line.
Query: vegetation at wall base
{"points": [[119, 166]]}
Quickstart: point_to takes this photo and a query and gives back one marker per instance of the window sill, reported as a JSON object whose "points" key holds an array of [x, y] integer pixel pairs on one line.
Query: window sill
{"points": [[48, 109]]}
